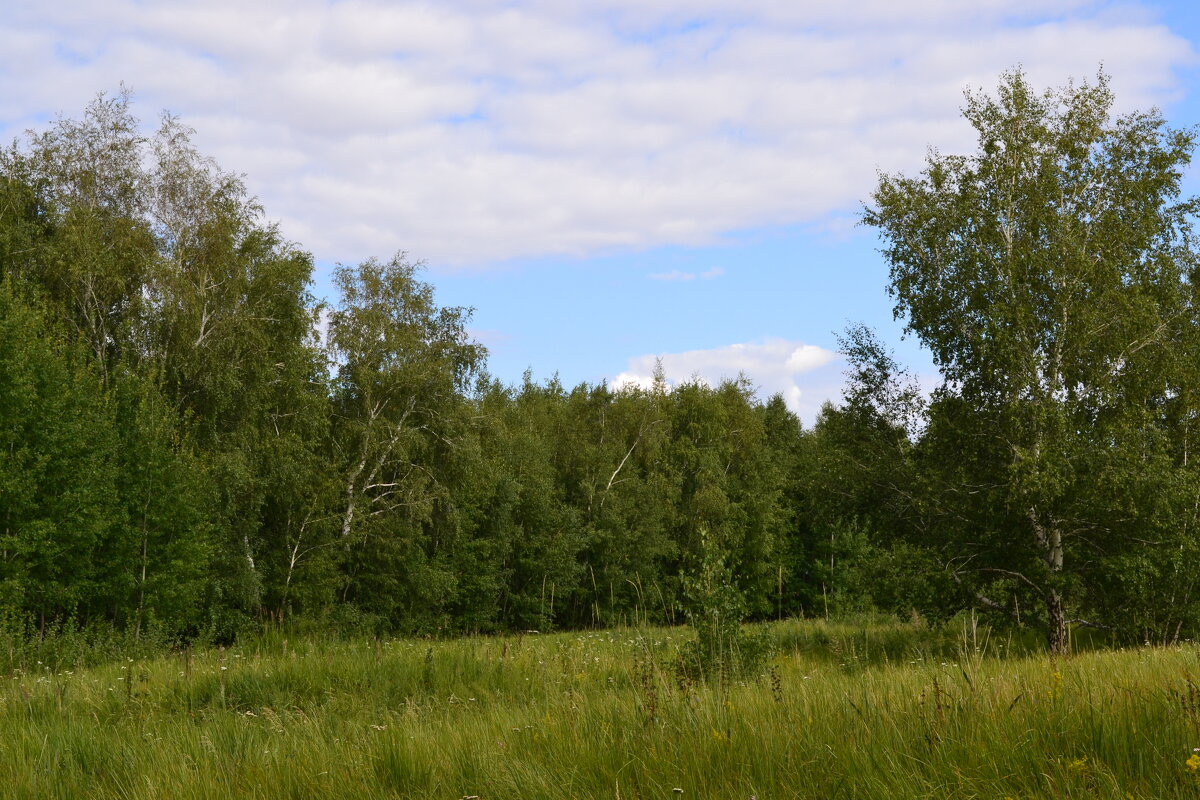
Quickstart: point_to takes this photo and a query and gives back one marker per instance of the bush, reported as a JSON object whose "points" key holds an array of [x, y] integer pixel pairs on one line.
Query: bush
{"points": [[715, 609]]}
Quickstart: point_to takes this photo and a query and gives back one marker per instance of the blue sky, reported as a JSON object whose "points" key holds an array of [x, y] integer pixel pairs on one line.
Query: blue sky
{"points": [[605, 182]]}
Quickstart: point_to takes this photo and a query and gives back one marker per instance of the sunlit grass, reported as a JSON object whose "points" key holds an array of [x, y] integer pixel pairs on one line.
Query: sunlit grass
{"points": [[854, 711]]}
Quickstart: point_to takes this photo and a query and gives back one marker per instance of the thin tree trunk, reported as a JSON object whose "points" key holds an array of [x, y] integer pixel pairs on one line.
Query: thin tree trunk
{"points": [[1056, 616], [1049, 538]]}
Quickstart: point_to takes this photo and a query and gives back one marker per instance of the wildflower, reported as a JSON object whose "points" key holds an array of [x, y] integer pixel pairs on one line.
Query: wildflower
{"points": [[1193, 762]]}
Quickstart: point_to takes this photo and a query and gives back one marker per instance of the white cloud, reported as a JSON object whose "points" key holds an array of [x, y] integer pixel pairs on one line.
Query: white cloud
{"points": [[673, 275], [796, 370], [468, 131]]}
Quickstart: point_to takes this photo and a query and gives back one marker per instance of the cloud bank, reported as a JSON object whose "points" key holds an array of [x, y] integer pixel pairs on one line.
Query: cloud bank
{"points": [[775, 366], [471, 132]]}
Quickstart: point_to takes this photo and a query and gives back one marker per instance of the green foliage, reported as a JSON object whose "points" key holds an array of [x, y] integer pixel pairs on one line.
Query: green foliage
{"points": [[715, 609], [59, 512], [226, 459], [194, 445], [1050, 275], [403, 365], [168, 503], [104, 506]]}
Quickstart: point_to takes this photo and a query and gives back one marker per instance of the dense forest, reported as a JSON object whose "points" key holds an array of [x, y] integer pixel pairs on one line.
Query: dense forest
{"points": [[194, 444]]}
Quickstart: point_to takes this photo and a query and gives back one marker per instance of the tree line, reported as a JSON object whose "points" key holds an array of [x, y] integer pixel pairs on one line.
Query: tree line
{"points": [[193, 443]]}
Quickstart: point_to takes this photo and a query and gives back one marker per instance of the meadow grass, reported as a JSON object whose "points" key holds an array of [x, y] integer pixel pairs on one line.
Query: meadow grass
{"points": [[856, 710]]}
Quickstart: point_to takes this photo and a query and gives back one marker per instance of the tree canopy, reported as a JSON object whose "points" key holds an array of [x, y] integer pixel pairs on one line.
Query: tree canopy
{"points": [[191, 443], [1051, 275]]}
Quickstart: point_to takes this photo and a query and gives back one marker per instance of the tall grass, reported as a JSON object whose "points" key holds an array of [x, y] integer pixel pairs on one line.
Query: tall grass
{"points": [[855, 710]]}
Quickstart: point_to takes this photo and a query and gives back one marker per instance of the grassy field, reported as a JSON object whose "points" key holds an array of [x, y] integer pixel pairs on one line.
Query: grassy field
{"points": [[842, 711]]}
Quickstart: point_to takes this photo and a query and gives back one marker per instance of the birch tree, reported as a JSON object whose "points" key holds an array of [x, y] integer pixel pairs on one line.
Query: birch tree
{"points": [[402, 367], [1048, 273]]}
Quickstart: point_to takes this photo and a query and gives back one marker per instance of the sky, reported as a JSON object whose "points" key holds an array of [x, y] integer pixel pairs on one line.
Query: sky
{"points": [[607, 183]]}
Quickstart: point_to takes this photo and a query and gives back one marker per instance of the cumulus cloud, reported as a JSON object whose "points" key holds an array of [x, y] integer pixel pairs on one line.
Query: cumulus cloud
{"points": [[796, 370], [673, 275], [470, 132]]}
